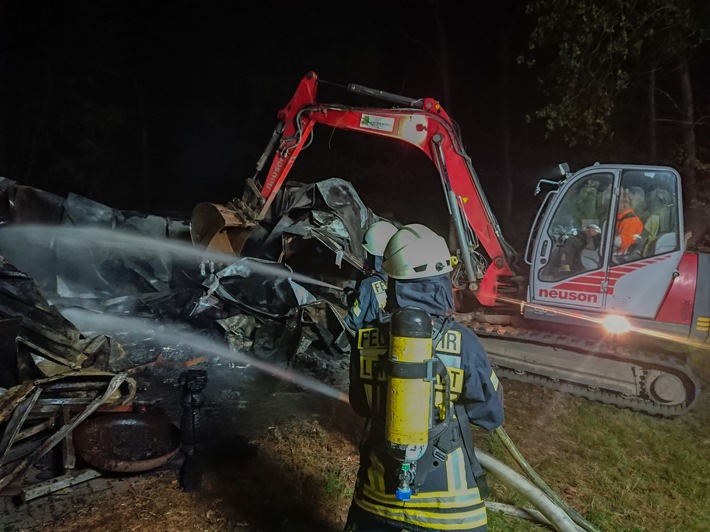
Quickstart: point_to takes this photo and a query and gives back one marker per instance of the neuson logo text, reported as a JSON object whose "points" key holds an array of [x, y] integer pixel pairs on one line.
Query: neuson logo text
{"points": [[569, 296]]}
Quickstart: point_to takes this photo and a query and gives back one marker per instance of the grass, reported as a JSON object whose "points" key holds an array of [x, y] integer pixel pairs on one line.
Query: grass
{"points": [[622, 471]]}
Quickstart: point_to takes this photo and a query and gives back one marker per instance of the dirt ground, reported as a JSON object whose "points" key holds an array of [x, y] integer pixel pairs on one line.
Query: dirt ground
{"points": [[274, 457], [266, 444]]}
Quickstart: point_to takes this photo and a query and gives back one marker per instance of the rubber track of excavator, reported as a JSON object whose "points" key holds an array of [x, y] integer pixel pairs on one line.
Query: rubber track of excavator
{"points": [[518, 338]]}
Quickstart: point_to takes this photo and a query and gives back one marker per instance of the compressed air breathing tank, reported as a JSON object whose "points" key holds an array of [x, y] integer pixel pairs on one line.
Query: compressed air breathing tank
{"points": [[409, 391]]}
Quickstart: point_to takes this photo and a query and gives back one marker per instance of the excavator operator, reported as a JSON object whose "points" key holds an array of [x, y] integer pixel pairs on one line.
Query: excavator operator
{"points": [[447, 485], [628, 225]]}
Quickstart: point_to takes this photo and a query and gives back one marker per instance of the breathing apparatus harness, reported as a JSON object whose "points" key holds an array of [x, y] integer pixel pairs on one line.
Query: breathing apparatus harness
{"points": [[416, 435]]}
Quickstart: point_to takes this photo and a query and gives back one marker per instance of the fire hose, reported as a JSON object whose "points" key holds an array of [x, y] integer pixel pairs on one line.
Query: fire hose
{"points": [[554, 510]]}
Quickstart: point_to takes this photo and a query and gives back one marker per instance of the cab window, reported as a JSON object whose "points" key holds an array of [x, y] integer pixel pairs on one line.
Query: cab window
{"points": [[577, 228]]}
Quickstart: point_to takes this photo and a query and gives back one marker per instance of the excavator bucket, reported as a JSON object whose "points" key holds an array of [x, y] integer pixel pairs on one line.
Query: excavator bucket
{"points": [[219, 228]]}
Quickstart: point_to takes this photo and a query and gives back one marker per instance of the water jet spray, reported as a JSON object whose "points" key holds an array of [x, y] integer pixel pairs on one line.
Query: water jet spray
{"points": [[87, 320]]}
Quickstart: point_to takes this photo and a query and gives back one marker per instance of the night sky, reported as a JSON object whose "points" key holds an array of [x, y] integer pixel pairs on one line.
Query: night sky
{"points": [[156, 105]]}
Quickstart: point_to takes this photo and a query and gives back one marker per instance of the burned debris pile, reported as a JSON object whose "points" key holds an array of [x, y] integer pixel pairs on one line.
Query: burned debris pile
{"points": [[282, 302]]}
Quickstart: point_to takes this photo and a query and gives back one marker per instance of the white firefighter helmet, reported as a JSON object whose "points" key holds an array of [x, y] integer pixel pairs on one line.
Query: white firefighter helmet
{"points": [[414, 252], [595, 228], [377, 236]]}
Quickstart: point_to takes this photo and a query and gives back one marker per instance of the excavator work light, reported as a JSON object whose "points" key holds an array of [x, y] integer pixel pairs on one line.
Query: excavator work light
{"points": [[616, 324]]}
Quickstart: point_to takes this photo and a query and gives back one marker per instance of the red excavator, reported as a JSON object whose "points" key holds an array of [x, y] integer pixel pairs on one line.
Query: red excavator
{"points": [[598, 314]]}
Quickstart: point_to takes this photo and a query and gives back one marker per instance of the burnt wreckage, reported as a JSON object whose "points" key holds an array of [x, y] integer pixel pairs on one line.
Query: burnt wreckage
{"points": [[57, 258]]}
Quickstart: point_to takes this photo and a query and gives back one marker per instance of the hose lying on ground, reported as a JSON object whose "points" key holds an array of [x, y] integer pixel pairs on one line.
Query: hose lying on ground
{"points": [[557, 517], [521, 513], [540, 483]]}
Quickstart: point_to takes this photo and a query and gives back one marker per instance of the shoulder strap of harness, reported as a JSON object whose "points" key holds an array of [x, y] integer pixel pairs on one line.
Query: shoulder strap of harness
{"points": [[441, 325], [478, 471]]}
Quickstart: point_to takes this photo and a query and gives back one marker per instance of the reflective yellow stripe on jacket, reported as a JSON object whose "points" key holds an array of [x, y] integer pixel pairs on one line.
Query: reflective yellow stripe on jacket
{"points": [[458, 508]]}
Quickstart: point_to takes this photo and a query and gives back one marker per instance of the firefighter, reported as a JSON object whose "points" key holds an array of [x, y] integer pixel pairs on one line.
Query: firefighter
{"points": [[572, 248], [443, 487], [372, 290]]}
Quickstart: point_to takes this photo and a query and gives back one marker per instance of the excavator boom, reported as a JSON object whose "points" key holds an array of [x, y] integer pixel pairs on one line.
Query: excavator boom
{"points": [[423, 124]]}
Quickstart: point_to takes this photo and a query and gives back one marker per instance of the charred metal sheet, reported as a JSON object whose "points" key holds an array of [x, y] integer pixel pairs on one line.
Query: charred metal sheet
{"points": [[45, 342], [327, 321], [342, 198], [84, 211], [22, 204], [239, 330], [26, 205], [332, 206], [280, 342], [20, 297], [316, 229], [81, 278], [250, 290], [114, 271], [339, 251], [277, 342]]}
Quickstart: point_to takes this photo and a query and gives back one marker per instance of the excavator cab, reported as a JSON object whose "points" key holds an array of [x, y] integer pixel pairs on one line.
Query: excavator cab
{"points": [[608, 233]]}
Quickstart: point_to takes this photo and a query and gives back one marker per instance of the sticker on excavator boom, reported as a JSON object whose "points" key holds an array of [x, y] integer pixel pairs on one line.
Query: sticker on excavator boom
{"points": [[379, 123]]}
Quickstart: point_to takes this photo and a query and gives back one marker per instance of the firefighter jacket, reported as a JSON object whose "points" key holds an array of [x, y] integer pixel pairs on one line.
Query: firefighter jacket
{"points": [[445, 493], [370, 302]]}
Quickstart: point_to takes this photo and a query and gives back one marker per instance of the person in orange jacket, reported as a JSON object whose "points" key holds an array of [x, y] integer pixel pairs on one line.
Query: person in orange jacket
{"points": [[628, 225]]}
